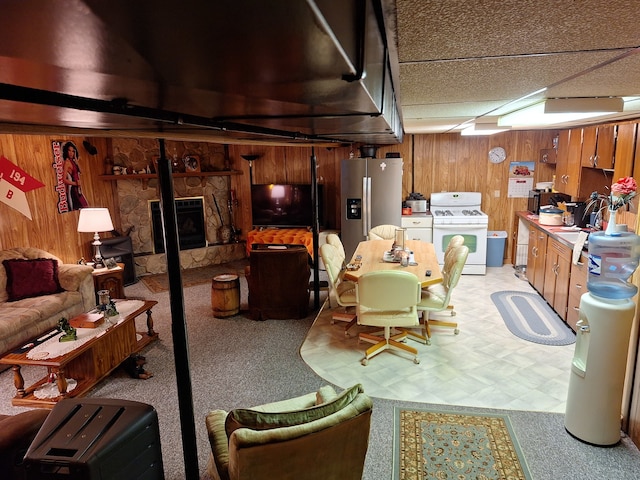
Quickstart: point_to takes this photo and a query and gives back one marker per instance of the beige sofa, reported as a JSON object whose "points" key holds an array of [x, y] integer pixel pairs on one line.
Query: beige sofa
{"points": [[26, 318]]}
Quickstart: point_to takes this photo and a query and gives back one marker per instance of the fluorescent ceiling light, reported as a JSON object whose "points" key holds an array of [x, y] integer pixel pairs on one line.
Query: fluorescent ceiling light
{"points": [[535, 115], [476, 130], [481, 127], [584, 105]]}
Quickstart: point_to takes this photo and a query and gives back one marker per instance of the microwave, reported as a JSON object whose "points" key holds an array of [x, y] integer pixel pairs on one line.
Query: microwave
{"points": [[540, 198]]}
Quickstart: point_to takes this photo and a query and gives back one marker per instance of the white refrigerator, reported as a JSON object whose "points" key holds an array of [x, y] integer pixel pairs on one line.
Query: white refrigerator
{"points": [[371, 195]]}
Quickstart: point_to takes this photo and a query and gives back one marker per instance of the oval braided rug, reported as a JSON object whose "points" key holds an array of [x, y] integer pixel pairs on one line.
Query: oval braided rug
{"points": [[529, 316]]}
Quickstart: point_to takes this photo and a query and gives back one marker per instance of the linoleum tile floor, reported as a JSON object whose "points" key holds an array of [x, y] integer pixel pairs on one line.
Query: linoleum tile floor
{"points": [[485, 365]]}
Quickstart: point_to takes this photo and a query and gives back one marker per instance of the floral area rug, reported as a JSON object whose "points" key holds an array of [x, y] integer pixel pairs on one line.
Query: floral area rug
{"points": [[193, 276], [457, 445]]}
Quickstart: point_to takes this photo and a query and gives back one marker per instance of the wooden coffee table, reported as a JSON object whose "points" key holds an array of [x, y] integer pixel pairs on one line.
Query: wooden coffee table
{"points": [[88, 364]]}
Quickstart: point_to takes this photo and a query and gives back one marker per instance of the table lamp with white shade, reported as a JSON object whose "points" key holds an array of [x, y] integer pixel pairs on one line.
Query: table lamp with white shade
{"points": [[95, 220]]}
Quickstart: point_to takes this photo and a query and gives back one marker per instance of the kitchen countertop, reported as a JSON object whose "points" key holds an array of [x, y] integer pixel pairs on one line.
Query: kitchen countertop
{"points": [[420, 214], [553, 230]]}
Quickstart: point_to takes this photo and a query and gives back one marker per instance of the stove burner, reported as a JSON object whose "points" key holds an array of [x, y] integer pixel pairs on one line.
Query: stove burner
{"points": [[471, 213], [444, 213]]}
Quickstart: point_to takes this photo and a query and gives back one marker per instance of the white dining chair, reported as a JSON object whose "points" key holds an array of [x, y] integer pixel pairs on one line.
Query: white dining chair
{"points": [[437, 297], [388, 299]]}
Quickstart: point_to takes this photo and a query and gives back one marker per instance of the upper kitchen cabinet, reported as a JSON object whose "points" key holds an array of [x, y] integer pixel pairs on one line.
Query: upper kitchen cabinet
{"points": [[598, 144], [625, 150], [568, 161], [636, 157], [548, 156]]}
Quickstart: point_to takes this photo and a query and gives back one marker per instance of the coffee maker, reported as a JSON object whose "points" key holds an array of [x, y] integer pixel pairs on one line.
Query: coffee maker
{"points": [[579, 211]]}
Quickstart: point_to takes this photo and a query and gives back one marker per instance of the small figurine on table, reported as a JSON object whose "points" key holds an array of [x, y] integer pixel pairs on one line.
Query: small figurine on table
{"points": [[134, 365], [110, 310], [69, 333]]}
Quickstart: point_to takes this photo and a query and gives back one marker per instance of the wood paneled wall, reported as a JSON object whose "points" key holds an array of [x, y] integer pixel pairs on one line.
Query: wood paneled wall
{"points": [[433, 163], [49, 230]]}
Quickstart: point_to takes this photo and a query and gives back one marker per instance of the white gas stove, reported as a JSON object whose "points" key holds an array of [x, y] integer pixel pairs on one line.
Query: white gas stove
{"points": [[458, 208], [459, 213]]}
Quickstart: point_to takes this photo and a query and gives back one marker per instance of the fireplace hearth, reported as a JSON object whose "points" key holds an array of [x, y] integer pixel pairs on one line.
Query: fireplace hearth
{"points": [[190, 222]]}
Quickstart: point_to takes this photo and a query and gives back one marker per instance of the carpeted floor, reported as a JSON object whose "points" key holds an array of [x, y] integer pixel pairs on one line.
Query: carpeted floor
{"points": [[238, 362], [193, 276], [445, 444], [529, 317]]}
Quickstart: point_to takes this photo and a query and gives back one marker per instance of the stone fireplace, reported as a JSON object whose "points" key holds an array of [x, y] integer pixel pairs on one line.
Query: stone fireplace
{"points": [[190, 223], [136, 195], [205, 246]]}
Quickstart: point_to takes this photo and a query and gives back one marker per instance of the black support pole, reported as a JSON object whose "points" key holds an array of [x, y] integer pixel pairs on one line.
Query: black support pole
{"points": [[316, 226], [178, 319]]}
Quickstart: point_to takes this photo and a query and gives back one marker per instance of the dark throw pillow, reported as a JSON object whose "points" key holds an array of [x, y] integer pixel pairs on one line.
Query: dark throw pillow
{"points": [[31, 278]]}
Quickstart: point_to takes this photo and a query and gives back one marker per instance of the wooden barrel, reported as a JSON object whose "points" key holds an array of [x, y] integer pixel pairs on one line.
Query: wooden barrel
{"points": [[225, 295]]}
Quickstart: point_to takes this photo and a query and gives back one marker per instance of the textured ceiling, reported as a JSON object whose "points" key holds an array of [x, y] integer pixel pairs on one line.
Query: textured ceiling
{"points": [[459, 60], [250, 70]]}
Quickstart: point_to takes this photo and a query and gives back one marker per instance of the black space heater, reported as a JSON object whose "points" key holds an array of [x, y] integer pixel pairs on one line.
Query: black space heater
{"points": [[97, 438], [121, 250]]}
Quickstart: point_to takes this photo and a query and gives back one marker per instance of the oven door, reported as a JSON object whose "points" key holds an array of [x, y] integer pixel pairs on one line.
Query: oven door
{"points": [[475, 237]]}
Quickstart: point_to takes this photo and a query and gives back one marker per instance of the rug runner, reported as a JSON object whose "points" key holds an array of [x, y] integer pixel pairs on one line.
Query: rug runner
{"points": [[529, 316], [445, 444]]}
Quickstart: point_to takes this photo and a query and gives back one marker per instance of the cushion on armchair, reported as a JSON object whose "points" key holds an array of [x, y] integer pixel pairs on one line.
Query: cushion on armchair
{"points": [[273, 444], [263, 420]]}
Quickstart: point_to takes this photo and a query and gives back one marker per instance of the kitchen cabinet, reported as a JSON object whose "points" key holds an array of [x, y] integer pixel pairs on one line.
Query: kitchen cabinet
{"points": [[557, 273], [625, 149], [598, 144], [636, 161], [548, 156], [418, 227], [577, 287], [536, 257], [568, 162]]}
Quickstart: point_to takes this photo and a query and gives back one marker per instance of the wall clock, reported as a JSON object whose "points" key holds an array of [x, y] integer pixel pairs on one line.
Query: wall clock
{"points": [[497, 155]]}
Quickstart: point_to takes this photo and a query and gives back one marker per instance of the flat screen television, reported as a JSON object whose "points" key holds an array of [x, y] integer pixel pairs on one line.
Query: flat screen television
{"points": [[284, 205]]}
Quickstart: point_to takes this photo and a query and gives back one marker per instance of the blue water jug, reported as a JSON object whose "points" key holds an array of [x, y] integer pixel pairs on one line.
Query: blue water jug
{"points": [[612, 260]]}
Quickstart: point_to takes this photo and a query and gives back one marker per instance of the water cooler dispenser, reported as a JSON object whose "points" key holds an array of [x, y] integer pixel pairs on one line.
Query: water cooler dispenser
{"points": [[594, 401]]}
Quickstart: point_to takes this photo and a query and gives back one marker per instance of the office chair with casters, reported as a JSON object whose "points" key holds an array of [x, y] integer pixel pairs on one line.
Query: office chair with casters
{"points": [[387, 298], [343, 290], [455, 241], [437, 297], [383, 232], [333, 239]]}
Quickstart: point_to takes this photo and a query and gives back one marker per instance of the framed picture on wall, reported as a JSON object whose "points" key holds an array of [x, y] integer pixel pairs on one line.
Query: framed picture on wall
{"points": [[191, 163]]}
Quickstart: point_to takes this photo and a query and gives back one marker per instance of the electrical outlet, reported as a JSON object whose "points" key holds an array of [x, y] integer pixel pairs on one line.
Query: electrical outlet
{"points": [[496, 193]]}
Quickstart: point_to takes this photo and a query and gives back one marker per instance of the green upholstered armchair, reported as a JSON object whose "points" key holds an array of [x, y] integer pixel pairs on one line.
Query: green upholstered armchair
{"points": [[318, 436]]}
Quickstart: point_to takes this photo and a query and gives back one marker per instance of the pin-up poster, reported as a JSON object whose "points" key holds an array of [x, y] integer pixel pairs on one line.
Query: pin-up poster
{"points": [[66, 163], [521, 178]]}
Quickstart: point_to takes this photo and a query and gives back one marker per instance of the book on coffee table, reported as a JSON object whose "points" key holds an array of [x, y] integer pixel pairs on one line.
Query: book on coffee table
{"points": [[87, 320]]}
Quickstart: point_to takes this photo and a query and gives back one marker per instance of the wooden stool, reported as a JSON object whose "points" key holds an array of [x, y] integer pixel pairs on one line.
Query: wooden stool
{"points": [[225, 295]]}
